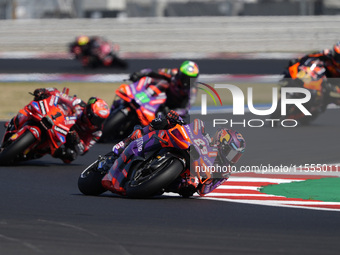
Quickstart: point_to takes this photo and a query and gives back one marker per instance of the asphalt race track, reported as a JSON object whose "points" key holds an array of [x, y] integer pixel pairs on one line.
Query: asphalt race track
{"points": [[207, 66], [42, 211]]}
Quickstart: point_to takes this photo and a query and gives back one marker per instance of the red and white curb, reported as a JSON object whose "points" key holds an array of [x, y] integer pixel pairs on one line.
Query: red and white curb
{"points": [[244, 188]]}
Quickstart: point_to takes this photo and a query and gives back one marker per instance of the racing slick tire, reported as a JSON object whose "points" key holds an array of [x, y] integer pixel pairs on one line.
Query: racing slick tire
{"points": [[149, 178], [10, 153], [90, 181]]}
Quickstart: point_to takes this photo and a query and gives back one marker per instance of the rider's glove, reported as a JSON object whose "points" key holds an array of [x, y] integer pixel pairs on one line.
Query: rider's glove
{"points": [[40, 94], [173, 117]]}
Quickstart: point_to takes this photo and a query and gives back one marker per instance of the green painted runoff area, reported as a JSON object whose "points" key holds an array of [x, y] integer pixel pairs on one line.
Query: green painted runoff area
{"points": [[325, 189]]}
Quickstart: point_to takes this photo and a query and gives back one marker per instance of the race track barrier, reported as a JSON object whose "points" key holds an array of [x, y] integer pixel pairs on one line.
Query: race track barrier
{"points": [[189, 34]]}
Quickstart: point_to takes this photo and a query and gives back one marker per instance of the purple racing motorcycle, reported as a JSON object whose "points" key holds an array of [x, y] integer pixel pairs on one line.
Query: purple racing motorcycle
{"points": [[180, 159]]}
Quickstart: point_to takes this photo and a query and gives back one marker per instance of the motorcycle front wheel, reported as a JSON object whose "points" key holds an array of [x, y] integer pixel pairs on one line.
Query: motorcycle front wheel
{"points": [[9, 153], [149, 178], [90, 181]]}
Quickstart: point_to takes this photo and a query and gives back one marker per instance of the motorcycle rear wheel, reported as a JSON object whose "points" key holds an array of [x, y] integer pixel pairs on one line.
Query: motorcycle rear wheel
{"points": [[90, 181], [143, 184], [9, 153]]}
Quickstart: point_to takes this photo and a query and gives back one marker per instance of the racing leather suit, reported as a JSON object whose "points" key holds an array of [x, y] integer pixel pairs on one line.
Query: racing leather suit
{"points": [[83, 135], [186, 184], [178, 99]]}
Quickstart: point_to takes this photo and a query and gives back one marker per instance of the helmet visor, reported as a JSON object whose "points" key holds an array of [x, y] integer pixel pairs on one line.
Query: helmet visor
{"points": [[232, 155], [185, 80]]}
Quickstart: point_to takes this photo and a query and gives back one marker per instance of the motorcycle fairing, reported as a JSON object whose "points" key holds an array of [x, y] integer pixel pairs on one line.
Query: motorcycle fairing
{"points": [[36, 117], [140, 150], [143, 97]]}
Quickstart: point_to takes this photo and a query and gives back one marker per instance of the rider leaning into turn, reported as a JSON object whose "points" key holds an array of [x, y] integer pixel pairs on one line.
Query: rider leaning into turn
{"points": [[87, 129], [179, 84], [331, 60], [229, 144], [87, 46]]}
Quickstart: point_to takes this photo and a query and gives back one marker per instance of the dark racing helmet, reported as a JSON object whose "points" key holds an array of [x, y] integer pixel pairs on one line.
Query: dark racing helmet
{"points": [[336, 52], [96, 111], [230, 144], [188, 72]]}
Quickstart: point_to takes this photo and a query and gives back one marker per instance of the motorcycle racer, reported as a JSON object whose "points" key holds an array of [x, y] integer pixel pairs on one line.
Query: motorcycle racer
{"points": [[331, 61], [93, 46], [79, 46], [229, 144], [87, 129], [171, 119], [179, 84], [330, 57]]}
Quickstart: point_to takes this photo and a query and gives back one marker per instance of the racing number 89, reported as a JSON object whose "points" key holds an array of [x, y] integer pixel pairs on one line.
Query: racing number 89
{"points": [[201, 144]]}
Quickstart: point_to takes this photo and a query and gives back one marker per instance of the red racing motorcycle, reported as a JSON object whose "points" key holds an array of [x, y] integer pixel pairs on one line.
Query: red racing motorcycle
{"points": [[97, 53], [40, 128]]}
